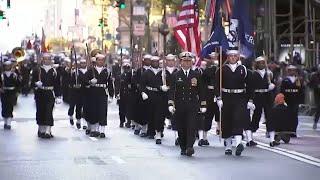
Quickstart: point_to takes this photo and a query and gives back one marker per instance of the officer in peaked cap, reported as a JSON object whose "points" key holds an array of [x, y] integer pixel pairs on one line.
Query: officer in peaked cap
{"points": [[186, 98]]}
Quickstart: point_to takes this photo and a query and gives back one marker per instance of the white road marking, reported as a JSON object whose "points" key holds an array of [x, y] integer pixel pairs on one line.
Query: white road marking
{"points": [[290, 155], [118, 160]]}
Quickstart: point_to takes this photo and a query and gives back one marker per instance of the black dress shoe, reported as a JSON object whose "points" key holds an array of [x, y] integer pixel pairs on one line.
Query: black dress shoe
{"points": [[274, 143], [88, 132], [285, 138], [201, 142], [84, 127], [143, 135], [78, 125], [176, 142], [137, 132], [94, 134], [51, 136], [128, 125], [183, 152], [46, 136], [158, 141], [102, 135], [228, 152], [251, 144], [293, 135], [190, 151], [71, 122], [239, 149], [206, 142], [133, 126], [121, 125], [8, 127], [162, 135]]}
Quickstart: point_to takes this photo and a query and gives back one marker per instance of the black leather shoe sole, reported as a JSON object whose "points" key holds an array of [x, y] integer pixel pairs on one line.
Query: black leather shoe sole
{"points": [[239, 149], [190, 151]]}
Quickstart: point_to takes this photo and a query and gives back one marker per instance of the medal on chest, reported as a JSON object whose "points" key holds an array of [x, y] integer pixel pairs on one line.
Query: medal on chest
{"points": [[194, 82]]}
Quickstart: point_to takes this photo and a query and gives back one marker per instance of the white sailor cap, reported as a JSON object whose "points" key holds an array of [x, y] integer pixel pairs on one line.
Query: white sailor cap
{"points": [[83, 60], [232, 52], [170, 57], [100, 56], [66, 59], [93, 59], [46, 55], [291, 67], [126, 62], [213, 54], [5, 58], [155, 58], [260, 58], [186, 56], [7, 63], [147, 56]]}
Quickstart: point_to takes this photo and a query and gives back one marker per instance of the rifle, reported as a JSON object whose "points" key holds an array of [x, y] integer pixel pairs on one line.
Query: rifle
{"points": [[76, 64], [89, 60], [163, 73]]}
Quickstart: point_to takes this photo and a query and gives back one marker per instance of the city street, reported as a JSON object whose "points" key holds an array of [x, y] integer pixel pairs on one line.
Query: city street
{"points": [[73, 155]]}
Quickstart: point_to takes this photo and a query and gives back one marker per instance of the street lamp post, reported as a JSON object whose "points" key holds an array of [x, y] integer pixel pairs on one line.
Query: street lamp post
{"points": [[164, 29]]}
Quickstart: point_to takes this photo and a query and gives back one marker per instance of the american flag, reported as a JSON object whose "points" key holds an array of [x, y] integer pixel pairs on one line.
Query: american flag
{"points": [[187, 30]]}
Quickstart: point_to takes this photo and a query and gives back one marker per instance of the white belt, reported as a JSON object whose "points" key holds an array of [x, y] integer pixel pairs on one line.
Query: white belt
{"points": [[8, 88], [211, 87], [291, 90], [261, 90], [152, 89], [100, 85], [233, 91]]}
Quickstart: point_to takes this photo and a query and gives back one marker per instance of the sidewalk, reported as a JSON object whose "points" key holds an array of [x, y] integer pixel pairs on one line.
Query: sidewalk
{"points": [[307, 142]]}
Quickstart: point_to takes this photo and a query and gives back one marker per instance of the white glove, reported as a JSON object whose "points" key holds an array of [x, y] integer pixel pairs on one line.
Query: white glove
{"points": [[271, 87], [93, 81], [164, 88], [110, 100], [38, 84], [58, 100], [219, 103], [117, 97], [144, 96], [203, 110], [251, 106], [171, 109]]}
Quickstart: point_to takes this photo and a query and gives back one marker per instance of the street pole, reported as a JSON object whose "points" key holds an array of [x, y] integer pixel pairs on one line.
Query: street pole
{"points": [[274, 30], [306, 33], [131, 33], [291, 31], [102, 31]]}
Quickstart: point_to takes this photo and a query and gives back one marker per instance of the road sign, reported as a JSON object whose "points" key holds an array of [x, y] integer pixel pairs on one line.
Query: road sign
{"points": [[139, 29]]}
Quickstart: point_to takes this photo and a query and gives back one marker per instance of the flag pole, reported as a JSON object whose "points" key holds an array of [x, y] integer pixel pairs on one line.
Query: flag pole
{"points": [[220, 91]]}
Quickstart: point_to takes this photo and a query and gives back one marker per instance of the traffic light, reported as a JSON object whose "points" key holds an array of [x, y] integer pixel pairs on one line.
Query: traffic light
{"points": [[8, 4], [100, 22], [2, 15], [121, 4]]}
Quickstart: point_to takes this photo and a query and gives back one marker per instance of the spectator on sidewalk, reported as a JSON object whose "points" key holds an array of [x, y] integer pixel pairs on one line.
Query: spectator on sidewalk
{"points": [[315, 85]]}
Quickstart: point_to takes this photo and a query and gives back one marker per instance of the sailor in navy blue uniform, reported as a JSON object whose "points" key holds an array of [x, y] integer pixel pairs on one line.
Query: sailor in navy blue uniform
{"points": [[154, 90], [77, 88], [9, 84], [47, 91], [292, 88], [233, 101], [101, 85], [209, 79], [141, 121]]}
